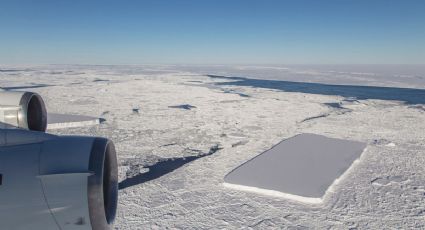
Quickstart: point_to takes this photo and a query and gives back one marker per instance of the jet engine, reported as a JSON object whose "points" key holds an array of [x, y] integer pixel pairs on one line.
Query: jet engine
{"points": [[49, 181], [22, 109]]}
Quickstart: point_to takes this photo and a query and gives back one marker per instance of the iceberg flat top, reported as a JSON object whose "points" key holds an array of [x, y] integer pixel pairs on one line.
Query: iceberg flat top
{"points": [[304, 165]]}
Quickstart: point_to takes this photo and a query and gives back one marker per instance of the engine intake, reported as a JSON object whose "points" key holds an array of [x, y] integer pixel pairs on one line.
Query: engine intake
{"points": [[57, 182], [103, 183], [22, 109], [48, 181]]}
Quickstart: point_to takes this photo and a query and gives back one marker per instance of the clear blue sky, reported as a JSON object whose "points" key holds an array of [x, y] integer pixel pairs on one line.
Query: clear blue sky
{"points": [[212, 32]]}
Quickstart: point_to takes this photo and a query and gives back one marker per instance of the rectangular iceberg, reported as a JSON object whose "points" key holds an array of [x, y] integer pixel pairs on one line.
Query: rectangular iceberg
{"points": [[302, 167]]}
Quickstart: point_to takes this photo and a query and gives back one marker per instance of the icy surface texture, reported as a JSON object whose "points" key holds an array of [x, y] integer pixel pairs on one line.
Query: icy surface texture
{"points": [[386, 189]]}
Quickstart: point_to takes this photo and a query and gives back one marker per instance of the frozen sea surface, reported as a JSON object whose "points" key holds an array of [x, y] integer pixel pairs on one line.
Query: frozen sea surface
{"points": [[235, 120]]}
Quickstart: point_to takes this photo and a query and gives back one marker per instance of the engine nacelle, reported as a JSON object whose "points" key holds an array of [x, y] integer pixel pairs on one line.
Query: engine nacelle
{"points": [[48, 181], [22, 109], [56, 182]]}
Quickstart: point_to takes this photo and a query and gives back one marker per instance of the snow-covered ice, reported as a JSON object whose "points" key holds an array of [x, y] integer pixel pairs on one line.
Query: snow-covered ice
{"points": [[302, 167], [60, 121], [236, 119]]}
